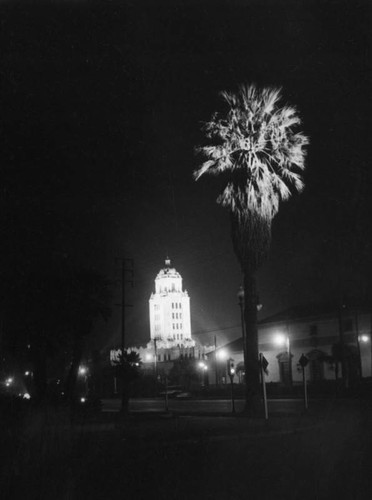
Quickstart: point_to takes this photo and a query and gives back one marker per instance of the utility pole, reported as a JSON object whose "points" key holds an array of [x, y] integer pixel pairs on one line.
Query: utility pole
{"points": [[127, 276], [127, 268], [215, 360]]}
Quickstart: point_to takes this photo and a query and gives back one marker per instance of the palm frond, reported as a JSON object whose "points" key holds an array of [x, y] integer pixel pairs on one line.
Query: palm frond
{"points": [[256, 141]]}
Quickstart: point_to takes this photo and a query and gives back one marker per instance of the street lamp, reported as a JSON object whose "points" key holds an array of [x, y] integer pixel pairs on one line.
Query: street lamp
{"points": [[281, 339], [365, 339], [83, 371], [203, 367], [240, 296], [222, 354], [9, 381]]}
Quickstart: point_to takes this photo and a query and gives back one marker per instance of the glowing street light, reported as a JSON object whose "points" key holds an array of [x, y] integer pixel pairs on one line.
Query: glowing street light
{"points": [[203, 369], [283, 340], [365, 339], [83, 370], [222, 354]]}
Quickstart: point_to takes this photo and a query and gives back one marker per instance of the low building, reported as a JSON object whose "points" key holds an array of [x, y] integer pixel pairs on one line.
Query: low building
{"points": [[316, 331]]}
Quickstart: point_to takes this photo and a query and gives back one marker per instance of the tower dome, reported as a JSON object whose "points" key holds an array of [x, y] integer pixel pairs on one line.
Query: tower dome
{"points": [[168, 280]]}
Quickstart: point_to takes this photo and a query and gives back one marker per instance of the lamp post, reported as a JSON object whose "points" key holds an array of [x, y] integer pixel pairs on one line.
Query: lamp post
{"points": [[281, 339], [240, 296], [203, 367], [222, 355], [364, 339], [83, 372]]}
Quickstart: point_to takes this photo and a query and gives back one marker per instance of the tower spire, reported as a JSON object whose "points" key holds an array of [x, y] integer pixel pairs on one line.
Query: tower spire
{"points": [[167, 261]]}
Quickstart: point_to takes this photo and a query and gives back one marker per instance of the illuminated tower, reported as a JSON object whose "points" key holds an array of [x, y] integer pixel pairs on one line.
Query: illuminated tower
{"points": [[170, 324]]}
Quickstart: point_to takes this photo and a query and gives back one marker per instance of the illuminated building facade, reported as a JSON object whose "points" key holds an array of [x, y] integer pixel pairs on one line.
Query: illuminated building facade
{"points": [[169, 309], [170, 324]]}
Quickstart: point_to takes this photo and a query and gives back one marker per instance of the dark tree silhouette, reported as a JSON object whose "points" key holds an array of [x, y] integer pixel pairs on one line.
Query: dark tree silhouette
{"points": [[127, 370]]}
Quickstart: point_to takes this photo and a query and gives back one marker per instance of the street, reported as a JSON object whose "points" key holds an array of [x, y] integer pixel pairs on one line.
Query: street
{"points": [[209, 406]]}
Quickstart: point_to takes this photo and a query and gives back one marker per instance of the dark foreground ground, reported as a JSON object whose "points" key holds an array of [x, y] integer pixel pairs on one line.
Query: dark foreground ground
{"points": [[325, 454]]}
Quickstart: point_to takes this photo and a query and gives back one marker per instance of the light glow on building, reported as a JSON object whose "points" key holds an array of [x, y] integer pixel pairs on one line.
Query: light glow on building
{"points": [[170, 324]]}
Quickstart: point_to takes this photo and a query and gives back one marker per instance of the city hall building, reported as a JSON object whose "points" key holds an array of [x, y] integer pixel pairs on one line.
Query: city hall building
{"points": [[170, 323]]}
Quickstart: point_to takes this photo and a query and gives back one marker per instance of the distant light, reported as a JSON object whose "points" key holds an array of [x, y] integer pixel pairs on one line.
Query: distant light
{"points": [[27, 373], [364, 338], [9, 381], [279, 339], [82, 400], [26, 396], [222, 354], [232, 370], [83, 370], [137, 364], [7, 384], [149, 357]]}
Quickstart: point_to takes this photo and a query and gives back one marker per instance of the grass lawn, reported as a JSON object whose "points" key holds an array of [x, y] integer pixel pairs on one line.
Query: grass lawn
{"points": [[323, 455]]}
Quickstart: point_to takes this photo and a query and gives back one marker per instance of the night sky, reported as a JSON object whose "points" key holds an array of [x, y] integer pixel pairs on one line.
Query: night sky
{"points": [[101, 109]]}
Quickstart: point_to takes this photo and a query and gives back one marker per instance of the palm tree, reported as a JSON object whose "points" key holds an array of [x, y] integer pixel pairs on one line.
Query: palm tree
{"points": [[254, 143]]}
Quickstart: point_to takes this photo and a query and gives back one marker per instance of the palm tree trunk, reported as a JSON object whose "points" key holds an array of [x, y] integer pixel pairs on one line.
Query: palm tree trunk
{"points": [[252, 372]]}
